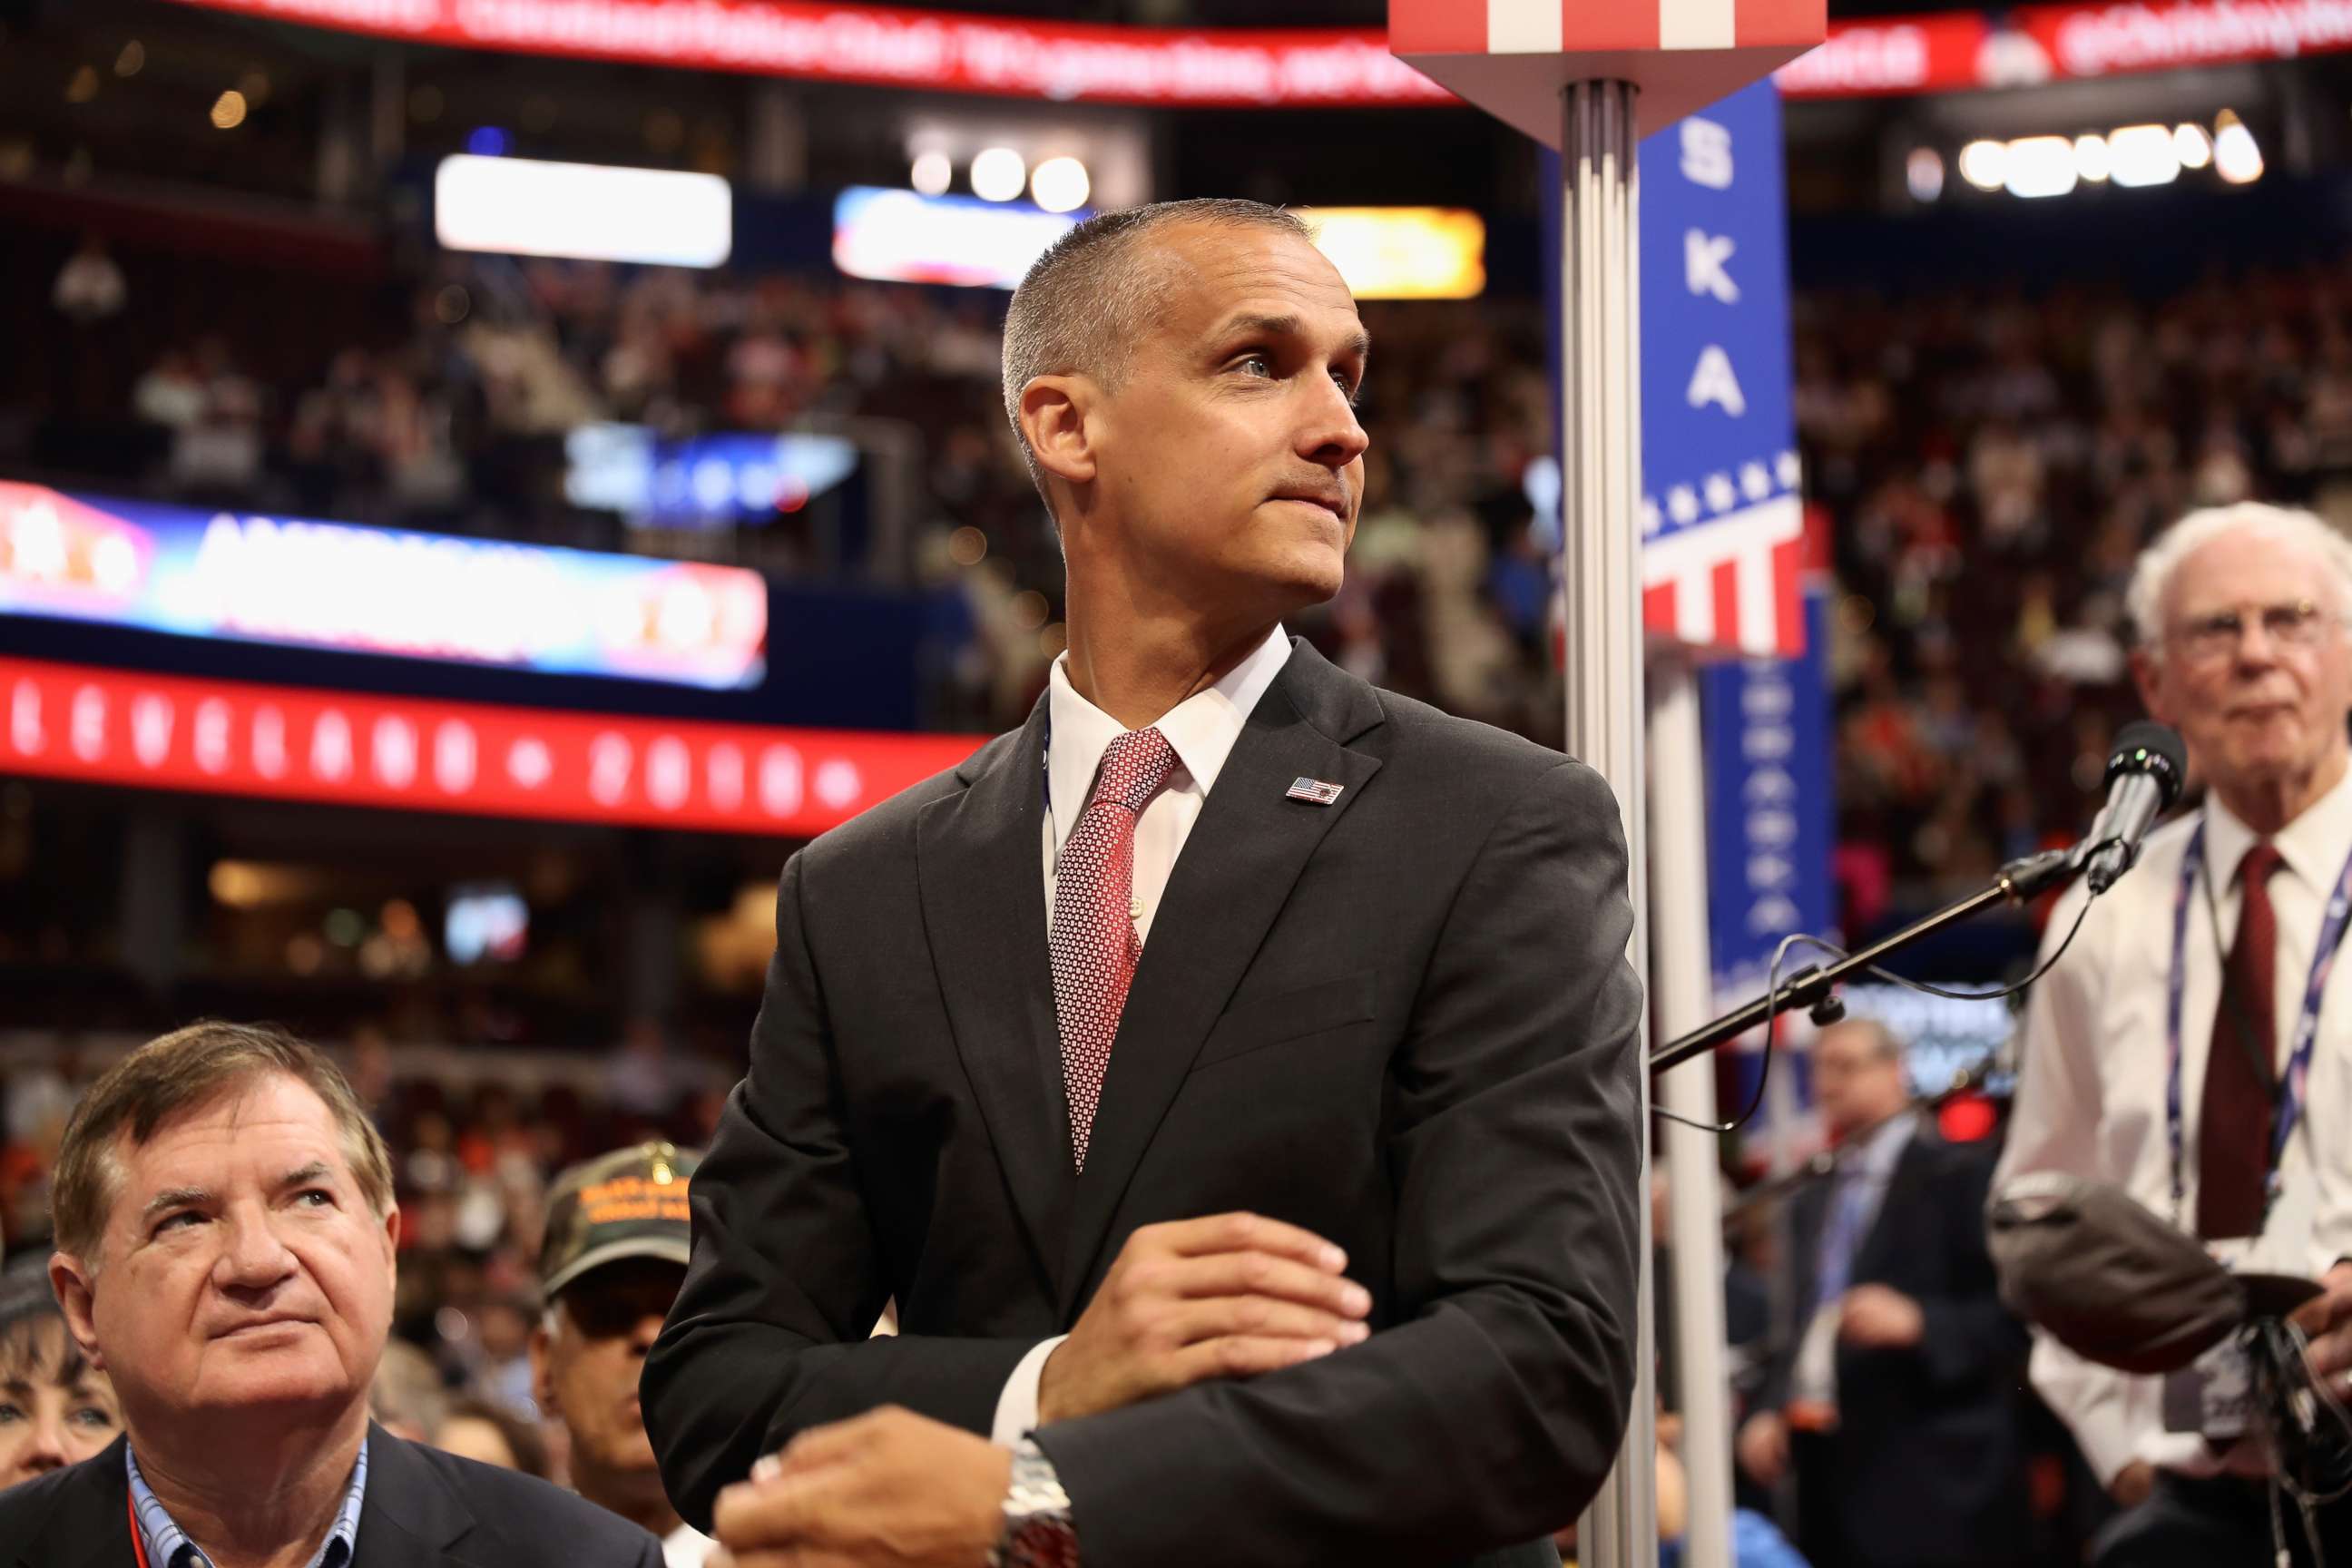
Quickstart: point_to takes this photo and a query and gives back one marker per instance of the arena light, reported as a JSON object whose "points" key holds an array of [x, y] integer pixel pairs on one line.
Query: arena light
{"points": [[998, 174], [1923, 172], [2191, 145], [1404, 253], [932, 174], [1060, 184], [898, 237], [2237, 157], [2144, 155], [1985, 164], [2093, 161], [2038, 166], [590, 212]]}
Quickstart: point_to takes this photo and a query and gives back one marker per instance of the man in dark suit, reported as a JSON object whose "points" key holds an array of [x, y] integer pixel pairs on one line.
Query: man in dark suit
{"points": [[1230, 1074], [224, 1232], [1896, 1396]]}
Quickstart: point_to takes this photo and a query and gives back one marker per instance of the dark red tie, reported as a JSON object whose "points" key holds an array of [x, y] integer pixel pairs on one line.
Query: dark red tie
{"points": [[1094, 944], [2234, 1135]]}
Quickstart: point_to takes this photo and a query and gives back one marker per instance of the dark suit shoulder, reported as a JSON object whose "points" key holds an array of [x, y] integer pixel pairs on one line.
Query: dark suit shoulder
{"points": [[891, 823], [525, 1522], [1436, 733], [63, 1508], [1476, 764]]}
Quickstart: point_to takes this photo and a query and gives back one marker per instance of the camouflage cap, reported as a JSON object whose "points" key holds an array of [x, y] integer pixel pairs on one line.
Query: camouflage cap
{"points": [[630, 1203]]}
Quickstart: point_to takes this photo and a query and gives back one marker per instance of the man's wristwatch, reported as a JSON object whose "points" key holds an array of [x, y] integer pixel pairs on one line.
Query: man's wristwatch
{"points": [[1037, 1529]]}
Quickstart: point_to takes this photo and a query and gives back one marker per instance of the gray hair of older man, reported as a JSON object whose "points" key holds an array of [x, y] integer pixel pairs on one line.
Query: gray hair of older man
{"points": [[2152, 573]]}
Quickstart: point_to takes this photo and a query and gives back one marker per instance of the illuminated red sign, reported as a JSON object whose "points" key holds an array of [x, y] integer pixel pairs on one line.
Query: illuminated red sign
{"points": [[113, 726], [1244, 67], [894, 47]]}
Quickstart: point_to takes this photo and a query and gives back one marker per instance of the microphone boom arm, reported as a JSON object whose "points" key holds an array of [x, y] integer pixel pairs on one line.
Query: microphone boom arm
{"points": [[2018, 882]]}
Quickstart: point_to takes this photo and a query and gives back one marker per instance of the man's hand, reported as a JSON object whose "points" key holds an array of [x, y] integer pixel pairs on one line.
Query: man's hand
{"points": [[890, 1490], [1763, 1447], [1230, 1296], [1875, 1317], [2133, 1484], [2328, 1319]]}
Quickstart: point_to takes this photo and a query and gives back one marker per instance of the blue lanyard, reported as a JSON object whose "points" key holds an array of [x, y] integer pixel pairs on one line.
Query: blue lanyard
{"points": [[2289, 1107]]}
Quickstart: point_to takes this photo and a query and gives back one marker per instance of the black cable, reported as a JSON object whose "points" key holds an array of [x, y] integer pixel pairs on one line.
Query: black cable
{"points": [[1772, 1018]]}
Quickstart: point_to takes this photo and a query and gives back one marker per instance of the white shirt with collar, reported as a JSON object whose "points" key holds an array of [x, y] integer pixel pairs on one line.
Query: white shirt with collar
{"points": [[2092, 1087], [1203, 730]]}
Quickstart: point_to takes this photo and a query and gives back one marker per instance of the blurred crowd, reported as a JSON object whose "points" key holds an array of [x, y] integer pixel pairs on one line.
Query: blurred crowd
{"points": [[2039, 442], [1990, 467]]}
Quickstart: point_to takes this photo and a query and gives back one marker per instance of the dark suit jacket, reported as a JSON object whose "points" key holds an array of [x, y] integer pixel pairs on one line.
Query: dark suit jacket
{"points": [[424, 1509], [1930, 1456], [1404, 1021]]}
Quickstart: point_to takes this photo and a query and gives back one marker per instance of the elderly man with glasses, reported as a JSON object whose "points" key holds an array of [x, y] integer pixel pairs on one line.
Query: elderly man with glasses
{"points": [[2196, 1046]]}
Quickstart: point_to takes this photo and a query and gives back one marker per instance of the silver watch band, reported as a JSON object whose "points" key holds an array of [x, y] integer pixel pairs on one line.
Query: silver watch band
{"points": [[1038, 1531]]}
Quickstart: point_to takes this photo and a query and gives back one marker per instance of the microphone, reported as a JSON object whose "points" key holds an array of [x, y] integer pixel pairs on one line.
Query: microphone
{"points": [[2143, 777]]}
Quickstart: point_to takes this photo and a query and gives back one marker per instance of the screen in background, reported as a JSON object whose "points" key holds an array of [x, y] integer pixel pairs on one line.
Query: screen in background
{"points": [[487, 922], [1944, 1037]]}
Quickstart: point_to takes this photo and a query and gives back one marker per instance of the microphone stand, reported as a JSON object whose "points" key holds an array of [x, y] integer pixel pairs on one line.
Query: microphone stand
{"points": [[1812, 986]]}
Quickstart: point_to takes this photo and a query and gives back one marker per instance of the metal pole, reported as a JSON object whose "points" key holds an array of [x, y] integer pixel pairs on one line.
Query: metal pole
{"points": [[1600, 469], [1682, 992]]}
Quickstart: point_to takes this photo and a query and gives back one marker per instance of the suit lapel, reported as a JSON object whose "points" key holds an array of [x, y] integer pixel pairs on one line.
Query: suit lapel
{"points": [[979, 861], [1233, 876], [1808, 1210], [410, 1515], [1911, 1168]]}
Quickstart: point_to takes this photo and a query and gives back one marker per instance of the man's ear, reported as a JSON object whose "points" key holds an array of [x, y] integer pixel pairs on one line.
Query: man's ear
{"points": [[543, 1374], [1053, 410], [73, 1281]]}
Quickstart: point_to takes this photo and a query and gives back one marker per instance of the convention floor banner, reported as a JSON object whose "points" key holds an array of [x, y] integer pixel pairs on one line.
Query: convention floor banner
{"points": [[1943, 51], [227, 737]]}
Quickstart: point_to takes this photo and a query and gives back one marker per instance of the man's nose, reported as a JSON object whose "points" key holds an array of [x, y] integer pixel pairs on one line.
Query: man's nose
{"points": [[648, 1330], [1333, 436], [254, 1256], [2256, 644]]}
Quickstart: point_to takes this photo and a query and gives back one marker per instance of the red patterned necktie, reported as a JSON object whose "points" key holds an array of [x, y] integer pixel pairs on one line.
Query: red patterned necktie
{"points": [[2234, 1129], [1094, 943]]}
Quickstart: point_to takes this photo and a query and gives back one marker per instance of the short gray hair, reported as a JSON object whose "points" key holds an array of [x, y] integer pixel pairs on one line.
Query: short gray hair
{"points": [[2152, 573], [1091, 296], [1886, 1045]]}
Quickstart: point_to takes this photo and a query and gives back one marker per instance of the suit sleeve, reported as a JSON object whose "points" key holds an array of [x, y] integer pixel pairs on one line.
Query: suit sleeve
{"points": [[1492, 1410], [1969, 1338], [769, 1333]]}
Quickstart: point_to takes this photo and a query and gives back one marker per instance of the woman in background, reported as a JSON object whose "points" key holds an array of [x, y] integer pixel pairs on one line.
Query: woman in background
{"points": [[55, 1409]]}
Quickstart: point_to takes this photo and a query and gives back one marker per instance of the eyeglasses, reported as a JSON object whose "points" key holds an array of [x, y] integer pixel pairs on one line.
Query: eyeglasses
{"points": [[2210, 640]]}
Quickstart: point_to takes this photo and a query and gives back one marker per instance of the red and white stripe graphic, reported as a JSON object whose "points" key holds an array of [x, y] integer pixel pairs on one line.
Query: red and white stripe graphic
{"points": [[1579, 27], [1732, 585]]}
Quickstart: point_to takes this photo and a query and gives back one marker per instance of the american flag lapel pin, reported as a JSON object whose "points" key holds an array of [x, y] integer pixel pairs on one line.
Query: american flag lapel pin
{"points": [[1316, 792]]}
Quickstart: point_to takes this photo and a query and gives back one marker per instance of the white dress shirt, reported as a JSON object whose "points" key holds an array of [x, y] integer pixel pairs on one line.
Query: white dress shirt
{"points": [[2091, 1088], [1203, 730], [687, 1547]]}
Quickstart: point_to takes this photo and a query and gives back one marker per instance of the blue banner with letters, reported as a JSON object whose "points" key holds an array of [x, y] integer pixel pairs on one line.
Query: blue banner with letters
{"points": [[1720, 494], [1717, 405]]}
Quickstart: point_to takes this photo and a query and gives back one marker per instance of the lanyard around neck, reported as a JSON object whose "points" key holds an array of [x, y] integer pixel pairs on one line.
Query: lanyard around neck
{"points": [[2287, 1109]]}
